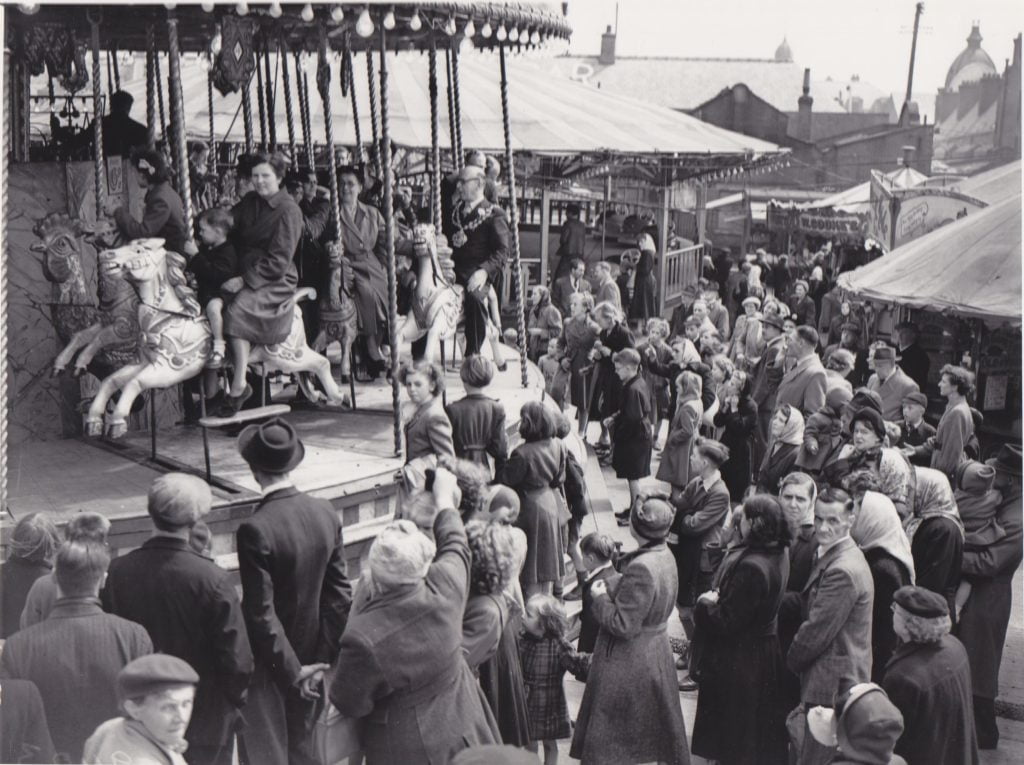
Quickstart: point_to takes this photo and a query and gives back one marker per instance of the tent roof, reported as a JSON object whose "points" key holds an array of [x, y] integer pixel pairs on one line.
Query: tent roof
{"points": [[858, 198], [971, 267], [993, 185]]}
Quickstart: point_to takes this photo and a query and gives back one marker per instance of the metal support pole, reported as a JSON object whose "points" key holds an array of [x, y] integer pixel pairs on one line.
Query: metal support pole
{"points": [[457, 109], [389, 238], [212, 161], [260, 103], [456, 154], [5, 254], [247, 118], [160, 93], [513, 218], [177, 104]]}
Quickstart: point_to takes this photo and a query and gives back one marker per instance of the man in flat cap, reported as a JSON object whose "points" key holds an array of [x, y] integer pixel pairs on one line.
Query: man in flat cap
{"points": [[890, 382], [914, 431], [190, 608], [296, 597], [156, 694], [480, 247], [929, 679], [985, 617]]}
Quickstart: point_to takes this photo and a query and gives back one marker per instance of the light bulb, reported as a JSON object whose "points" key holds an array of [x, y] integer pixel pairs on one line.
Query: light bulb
{"points": [[449, 28], [502, 34], [208, 7], [337, 14], [535, 37], [470, 29], [389, 20], [364, 26], [216, 43], [514, 34], [485, 30], [307, 13], [242, 9], [29, 9], [415, 23], [275, 10], [169, 6]]}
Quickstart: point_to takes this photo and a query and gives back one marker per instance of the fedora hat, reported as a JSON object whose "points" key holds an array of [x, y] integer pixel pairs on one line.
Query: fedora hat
{"points": [[1008, 460], [272, 446], [773, 320], [885, 353]]}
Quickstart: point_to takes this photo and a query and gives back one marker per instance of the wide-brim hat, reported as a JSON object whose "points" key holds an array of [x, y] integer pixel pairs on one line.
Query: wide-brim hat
{"points": [[272, 446], [1008, 460], [773, 320]]}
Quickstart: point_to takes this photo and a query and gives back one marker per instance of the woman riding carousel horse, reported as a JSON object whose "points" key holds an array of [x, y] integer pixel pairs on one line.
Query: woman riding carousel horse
{"points": [[163, 215], [363, 239]]}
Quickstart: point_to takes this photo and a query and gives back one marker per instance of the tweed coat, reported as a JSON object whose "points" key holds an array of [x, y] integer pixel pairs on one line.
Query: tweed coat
{"points": [[428, 431], [609, 292], [803, 386], [364, 240], [896, 387], [832, 648], [630, 710], [401, 667]]}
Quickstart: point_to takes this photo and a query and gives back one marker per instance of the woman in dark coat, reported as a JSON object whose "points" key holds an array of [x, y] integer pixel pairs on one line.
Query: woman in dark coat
{"points": [[364, 242], [786, 438], [879, 534], [737, 417], [936, 536], [606, 392], [163, 215], [633, 425], [630, 710], [536, 470], [490, 628], [741, 717], [30, 554], [268, 227], [643, 304], [543, 322]]}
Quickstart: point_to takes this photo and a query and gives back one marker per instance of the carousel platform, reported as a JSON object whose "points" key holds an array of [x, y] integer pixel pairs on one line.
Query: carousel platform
{"points": [[350, 461]]}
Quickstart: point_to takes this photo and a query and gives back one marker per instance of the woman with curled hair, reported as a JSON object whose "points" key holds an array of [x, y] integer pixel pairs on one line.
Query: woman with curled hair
{"points": [[945, 450], [428, 431], [490, 627], [30, 554], [536, 470], [543, 322], [163, 215], [606, 390]]}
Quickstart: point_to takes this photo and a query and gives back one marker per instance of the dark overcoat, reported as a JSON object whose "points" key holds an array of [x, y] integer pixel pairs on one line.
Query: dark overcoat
{"points": [[696, 535], [741, 717], [163, 216], [930, 683], [364, 241], [630, 710], [674, 467], [776, 465], [888, 575], [938, 549], [632, 435], [607, 390], [588, 620], [644, 303], [267, 233], [578, 338], [189, 607], [478, 430], [17, 576], [401, 667], [738, 435]]}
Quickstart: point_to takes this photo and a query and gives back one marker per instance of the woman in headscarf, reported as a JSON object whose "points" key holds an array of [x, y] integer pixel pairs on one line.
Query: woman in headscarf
{"points": [[880, 536], [740, 712], [936, 536], [786, 435], [543, 322], [737, 417], [490, 627], [683, 432], [630, 710], [30, 553], [401, 667], [363, 237]]}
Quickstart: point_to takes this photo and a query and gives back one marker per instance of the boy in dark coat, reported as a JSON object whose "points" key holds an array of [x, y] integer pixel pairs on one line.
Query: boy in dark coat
{"points": [[478, 421], [633, 425], [215, 263]]}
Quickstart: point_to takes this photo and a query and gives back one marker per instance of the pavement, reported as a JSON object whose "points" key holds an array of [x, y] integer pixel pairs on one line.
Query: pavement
{"points": [[609, 493]]}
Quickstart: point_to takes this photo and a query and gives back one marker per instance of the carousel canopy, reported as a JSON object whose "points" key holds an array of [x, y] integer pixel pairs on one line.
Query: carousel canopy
{"points": [[857, 199], [971, 267]]}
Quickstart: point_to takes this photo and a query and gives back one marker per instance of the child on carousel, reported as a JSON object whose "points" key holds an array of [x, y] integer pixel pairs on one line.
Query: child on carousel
{"points": [[215, 264]]}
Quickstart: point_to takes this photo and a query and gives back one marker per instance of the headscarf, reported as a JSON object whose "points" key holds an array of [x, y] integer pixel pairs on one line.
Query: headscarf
{"points": [[792, 432], [689, 355], [934, 497], [877, 524]]}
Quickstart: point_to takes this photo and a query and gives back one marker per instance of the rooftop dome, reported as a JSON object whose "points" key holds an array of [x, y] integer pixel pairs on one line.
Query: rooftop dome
{"points": [[783, 53], [972, 64]]}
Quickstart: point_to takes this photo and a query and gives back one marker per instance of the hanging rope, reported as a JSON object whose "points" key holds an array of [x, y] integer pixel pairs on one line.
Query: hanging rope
{"points": [[99, 166], [513, 218], [389, 239], [358, 157], [160, 93], [150, 87], [247, 118], [260, 103], [177, 104], [456, 156], [212, 161], [435, 143], [282, 56], [457, 108], [372, 80], [271, 87]]}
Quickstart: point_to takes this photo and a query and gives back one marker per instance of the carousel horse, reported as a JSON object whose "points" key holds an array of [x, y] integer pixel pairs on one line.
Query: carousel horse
{"points": [[437, 301], [175, 339], [338, 320], [99, 337]]}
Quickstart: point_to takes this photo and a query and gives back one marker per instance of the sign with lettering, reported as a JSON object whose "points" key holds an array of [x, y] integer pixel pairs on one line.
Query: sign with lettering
{"points": [[919, 211]]}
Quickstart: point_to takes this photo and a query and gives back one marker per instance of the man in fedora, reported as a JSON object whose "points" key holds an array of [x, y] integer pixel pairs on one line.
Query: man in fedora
{"points": [[890, 382], [914, 359], [190, 608], [295, 597], [986, 615], [765, 378]]}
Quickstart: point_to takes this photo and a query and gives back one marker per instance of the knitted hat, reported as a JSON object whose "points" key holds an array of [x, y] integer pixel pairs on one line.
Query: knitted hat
{"points": [[752, 299], [838, 397], [869, 725], [401, 554]]}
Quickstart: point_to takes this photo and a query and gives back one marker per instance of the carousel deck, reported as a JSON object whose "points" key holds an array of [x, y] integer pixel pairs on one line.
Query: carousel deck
{"points": [[350, 460]]}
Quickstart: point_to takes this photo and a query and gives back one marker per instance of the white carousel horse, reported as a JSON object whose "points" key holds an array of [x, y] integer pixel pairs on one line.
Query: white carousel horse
{"points": [[437, 301], [175, 339]]}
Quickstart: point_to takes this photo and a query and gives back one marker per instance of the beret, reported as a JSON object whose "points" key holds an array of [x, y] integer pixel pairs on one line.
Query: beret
{"points": [[652, 518], [179, 499], [916, 398], [152, 674], [801, 283], [975, 477], [626, 356], [872, 418], [921, 601]]}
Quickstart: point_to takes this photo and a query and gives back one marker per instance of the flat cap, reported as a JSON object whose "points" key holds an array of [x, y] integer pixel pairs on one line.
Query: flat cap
{"points": [[917, 397], [921, 602], [773, 320], [152, 674], [652, 518]]}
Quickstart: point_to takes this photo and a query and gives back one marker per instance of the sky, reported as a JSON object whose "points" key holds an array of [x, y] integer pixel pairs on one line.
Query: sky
{"points": [[870, 38]]}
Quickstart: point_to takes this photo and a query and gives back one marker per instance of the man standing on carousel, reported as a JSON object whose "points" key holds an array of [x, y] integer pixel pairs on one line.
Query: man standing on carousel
{"points": [[480, 246]]}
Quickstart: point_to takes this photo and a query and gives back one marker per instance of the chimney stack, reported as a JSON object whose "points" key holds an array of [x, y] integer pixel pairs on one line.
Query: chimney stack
{"points": [[804, 103], [607, 57]]}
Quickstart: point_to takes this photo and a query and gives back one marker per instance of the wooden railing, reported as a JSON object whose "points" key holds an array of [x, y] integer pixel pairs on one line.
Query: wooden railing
{"points": [[680, 273]]}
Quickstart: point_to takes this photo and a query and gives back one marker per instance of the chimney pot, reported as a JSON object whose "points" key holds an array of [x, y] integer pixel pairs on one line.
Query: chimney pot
{"points": [[607, 57]]}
